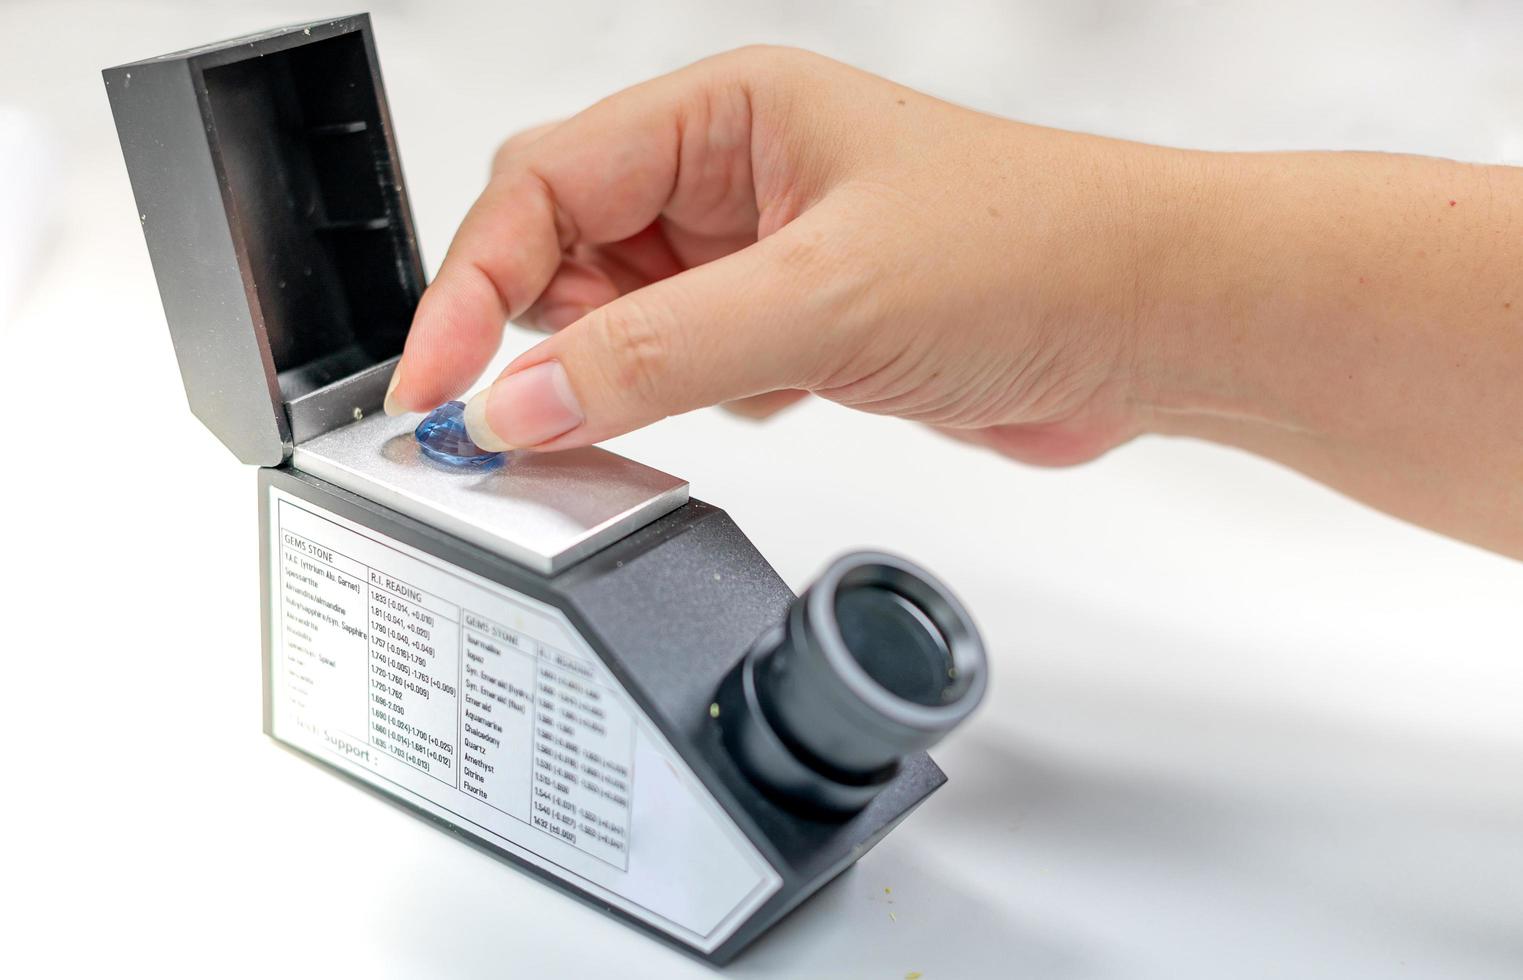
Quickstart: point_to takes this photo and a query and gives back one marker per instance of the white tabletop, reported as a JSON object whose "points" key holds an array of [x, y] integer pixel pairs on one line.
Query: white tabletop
{"points": [[1238, 726]]}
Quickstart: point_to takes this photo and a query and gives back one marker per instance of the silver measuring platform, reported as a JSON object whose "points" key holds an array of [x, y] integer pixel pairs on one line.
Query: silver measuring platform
{"points": [[545, 511]]}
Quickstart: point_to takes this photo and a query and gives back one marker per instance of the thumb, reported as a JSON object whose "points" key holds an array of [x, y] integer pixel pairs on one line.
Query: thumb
{"points": [[747, 323]]}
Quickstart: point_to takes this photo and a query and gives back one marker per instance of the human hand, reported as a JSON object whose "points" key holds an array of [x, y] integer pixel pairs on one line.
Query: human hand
{"points": [[769, 222]]}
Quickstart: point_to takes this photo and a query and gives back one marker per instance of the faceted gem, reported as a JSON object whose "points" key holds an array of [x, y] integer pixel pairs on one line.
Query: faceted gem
{"points": [[442, 436]]}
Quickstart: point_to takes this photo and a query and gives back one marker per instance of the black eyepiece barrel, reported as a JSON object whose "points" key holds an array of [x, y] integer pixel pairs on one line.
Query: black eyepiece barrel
{"points": [[876, 660]]}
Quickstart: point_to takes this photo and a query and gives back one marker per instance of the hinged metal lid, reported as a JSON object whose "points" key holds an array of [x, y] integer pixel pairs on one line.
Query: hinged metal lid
{"points": [[270, 192]]}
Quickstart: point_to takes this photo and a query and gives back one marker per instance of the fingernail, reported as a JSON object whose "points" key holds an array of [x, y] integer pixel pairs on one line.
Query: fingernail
{"points": [[390, 406], [557, 317], [524, 409]]}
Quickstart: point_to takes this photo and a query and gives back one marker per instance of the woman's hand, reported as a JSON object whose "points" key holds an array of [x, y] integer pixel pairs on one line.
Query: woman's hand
{"points": [[769, 223]]}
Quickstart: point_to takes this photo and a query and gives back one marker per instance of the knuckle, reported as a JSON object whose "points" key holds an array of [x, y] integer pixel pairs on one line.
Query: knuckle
{"points": [[762, 60], [762, 52], [799, 252], [641, 350], [503, 154], [514, 145]]}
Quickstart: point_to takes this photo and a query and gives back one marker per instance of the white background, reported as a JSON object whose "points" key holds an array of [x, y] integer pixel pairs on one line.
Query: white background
{"points": [[1239, 726]]}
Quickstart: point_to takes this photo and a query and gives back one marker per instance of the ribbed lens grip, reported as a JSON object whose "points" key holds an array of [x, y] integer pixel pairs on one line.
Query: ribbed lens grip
{"points": [[876, 660]]}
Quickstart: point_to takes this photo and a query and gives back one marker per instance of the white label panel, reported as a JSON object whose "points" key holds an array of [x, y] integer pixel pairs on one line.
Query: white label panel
{"points": [[486, 707]]}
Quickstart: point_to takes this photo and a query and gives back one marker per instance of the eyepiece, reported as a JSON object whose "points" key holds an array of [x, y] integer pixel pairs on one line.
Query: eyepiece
{"points": [[876, 660]]}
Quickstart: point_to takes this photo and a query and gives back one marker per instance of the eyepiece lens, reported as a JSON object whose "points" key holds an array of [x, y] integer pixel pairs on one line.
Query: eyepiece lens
{"points": [[898, 645], [875, 661]]}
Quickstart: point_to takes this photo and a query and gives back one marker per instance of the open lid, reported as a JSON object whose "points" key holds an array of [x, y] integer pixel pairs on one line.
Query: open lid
{"points": [[271, 195]]}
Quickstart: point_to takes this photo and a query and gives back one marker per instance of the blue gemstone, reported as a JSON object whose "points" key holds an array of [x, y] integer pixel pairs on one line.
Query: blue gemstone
{"points": [[442, 436]]}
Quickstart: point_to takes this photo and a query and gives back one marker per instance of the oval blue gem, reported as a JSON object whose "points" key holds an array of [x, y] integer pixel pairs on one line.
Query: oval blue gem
{"points": [[442, 436]]}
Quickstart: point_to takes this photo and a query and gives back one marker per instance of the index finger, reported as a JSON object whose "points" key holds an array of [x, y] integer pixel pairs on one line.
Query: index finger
{"points": [[599, 177]]}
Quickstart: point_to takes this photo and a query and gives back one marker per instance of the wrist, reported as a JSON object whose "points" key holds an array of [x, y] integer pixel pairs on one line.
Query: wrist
{"points": [[1210, 271]]}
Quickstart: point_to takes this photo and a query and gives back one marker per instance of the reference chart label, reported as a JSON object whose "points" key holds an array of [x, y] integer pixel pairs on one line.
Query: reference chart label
{"points": [[487, 708]]}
